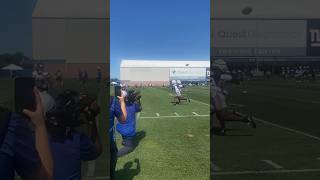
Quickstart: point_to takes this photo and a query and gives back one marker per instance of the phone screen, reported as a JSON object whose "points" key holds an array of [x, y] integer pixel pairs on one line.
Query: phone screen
{"points": [[117, 91], [24, 96]]}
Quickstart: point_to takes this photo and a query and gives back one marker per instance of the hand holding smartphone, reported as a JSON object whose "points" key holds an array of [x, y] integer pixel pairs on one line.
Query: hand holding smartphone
{"points": [[24, 94], [117, 91]]}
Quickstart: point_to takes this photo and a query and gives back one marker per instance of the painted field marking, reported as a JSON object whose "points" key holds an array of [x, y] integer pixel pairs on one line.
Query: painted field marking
{"points": [[288, 129], [273, 164], [158, 115], [282, 127], [200, 102], [193, 100], [195, 113], [91, 166], [262, 121], [265, 172], [176, 114], [172, 116], [285, 128]]}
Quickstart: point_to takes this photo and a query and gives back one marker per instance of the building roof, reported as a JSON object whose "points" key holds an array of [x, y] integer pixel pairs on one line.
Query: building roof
{"points": [[291, 9], [163, 64], [71, 9]]}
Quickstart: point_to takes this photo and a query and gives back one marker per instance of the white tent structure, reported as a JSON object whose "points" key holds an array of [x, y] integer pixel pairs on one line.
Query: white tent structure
{"points": [[73, 31], [12, 67], [161, 72]]}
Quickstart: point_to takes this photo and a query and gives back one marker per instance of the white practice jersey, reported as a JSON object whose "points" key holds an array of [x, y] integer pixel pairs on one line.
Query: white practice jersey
{"points": [[178, 93], [219, 99]]}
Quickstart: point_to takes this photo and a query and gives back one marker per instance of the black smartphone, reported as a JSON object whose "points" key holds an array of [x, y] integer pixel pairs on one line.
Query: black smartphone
{"points": [[117, 90], [24, 95]]}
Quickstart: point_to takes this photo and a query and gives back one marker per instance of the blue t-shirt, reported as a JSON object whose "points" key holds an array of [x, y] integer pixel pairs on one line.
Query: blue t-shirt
{"points": [[68, 154], [115, 112], [17, 151], [128, 129]]}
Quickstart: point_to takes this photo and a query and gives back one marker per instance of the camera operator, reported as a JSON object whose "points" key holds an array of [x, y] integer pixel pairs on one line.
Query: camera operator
{"points": [[22, 150], [117, 110], [70, 146], [128, 129]]}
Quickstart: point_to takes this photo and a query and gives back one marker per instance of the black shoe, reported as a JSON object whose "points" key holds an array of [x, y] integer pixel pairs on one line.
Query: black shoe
{"points": [[251, 122]]}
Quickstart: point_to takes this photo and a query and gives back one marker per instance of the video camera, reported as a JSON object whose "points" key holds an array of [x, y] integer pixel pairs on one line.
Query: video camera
{"points": [[133, 96], [71, 110]]}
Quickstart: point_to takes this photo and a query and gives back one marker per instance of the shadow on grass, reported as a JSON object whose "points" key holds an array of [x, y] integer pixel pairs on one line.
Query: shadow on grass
{"points": [[139, 136], [127, 173]]}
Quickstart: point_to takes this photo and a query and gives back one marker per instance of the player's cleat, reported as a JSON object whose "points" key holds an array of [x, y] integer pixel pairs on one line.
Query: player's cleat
{"points": [[251, 122]]}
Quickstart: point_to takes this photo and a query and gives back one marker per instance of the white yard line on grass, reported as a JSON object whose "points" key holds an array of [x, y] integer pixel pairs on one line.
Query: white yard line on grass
{"points": [[265, 172], [91, 166], [278, 126], [176, 114], [199, 102], [273, 164], [194, 100], [288, 129], [151, 117], [195, 113], [285, 128]]}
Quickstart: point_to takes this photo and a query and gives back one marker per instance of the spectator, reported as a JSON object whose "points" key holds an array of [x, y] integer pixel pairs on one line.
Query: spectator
{"points": [[23, 151], [117, 110]]}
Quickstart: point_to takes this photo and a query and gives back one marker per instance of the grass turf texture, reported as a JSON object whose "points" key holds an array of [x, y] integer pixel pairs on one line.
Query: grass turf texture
{"points": [[173, 147], [286, 103], [101, 168]]}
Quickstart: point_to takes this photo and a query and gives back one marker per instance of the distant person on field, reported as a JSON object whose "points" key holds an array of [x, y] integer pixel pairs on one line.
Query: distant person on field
{"points": [[59, 78]]}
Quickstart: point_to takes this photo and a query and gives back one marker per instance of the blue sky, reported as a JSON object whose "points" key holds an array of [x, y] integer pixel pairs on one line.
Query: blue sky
{"points": [[140, 29], [158, 29]]}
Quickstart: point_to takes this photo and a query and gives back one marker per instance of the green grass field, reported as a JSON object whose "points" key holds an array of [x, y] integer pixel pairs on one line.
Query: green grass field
{"points": [[97, 169], [285, 144], [176, 144]]}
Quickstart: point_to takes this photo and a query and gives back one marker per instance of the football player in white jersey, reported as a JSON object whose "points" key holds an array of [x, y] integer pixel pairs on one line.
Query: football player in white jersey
{"points": [[178, 96], [219, 104]]}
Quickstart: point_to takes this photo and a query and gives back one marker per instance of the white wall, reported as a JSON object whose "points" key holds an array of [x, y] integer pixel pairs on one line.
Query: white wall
{"points": [[75, 40], [144, 74], [74, 30]]}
